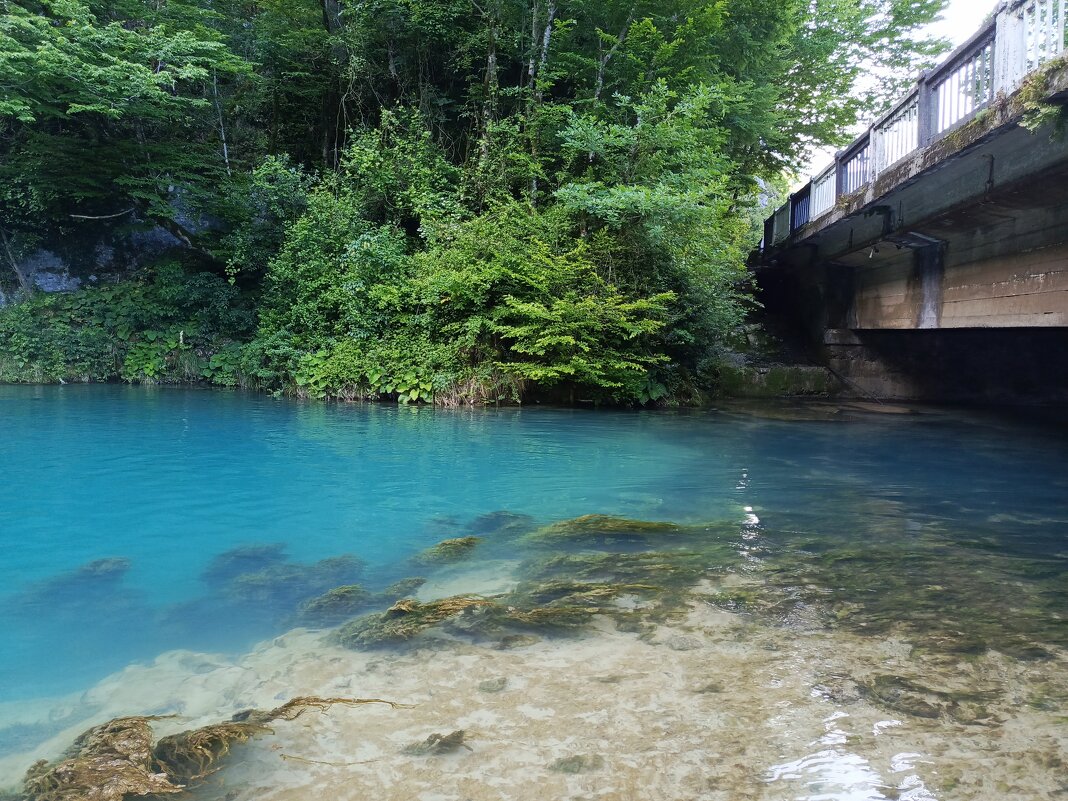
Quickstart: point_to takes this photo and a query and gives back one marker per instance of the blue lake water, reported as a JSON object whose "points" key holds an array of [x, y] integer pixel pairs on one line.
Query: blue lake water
{"points": [[116, 502]]}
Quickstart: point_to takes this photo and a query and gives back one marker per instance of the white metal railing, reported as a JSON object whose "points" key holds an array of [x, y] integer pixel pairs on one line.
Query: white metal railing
{"points": [[782, 224], [898, 134], [1044, 30], [823, 193], [965, 88], [1021, 37], [856, 170]]}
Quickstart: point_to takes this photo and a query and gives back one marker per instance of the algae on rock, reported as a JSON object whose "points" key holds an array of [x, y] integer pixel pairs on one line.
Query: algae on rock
{"points": [[502, 524], [404, 620], [437, 744], [336, 606], [106, 763], [193, 755], [403, 588], [604, 529], [291, 583], [117, 760], [448, 551]]}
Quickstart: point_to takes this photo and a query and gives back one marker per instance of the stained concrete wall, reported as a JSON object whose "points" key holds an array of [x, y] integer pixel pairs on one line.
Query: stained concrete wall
{"points": [[1015, 290]]}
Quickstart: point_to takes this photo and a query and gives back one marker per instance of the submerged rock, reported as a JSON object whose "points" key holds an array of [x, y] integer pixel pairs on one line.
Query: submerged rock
{"points": [[94, 582], [404, 620], [448, 551], [437, 744], [909, 698], [502, 523], [579, 763], [663, 569], [512, 641], [193, 755], [403, 588], [585, 593], [604, 529], [471, 615], [493, 685], [228, 565], [336, 606], [117, 760], [106, 763], [289, 583]]}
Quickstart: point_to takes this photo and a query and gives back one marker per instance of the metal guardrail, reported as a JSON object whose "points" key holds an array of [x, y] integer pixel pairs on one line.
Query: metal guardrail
{"points": [[1020, 37]]}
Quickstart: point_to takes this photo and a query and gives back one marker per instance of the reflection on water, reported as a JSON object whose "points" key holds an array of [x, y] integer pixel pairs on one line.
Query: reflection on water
{"points": [[801, 603]]}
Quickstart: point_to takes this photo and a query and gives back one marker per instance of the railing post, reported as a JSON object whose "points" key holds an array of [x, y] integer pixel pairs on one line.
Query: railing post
{"points": [[926, 113], [1010, 50], [839, 177], [875, 145]]}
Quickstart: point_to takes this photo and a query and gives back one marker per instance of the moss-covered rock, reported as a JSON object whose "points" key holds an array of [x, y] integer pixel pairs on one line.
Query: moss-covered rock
{"points": [[106, 763], [404, 588], [437, 744], [777, 381], [289, 583], [502, 524], [579, 593], [117, 760], [193, 755], [228, 565], [404, 621], [336, 606], [604, 530], [663, 569], [448, 551], [578, 763]]}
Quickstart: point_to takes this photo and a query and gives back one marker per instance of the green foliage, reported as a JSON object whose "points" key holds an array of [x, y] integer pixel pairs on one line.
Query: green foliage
{"points": [[436, 202], [166, 325]]}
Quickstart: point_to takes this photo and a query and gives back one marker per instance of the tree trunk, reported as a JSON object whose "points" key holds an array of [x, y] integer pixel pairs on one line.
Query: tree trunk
{"points": [[532, 63], [537, 93], [333, 21], [24, 284], [489, 101], [602, 64], [332, 15], [545, 41], [222, 125]]}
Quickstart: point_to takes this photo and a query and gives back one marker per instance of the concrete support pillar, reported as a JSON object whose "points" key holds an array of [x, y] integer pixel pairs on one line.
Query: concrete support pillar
{"points": [[929, 275]]}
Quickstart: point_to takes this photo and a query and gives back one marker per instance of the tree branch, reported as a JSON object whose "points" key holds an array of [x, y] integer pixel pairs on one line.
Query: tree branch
{"points": [[104, 216]]}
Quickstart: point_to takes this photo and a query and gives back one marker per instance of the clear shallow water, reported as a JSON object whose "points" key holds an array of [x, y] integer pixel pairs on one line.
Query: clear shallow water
{"points": [[916, 519]]}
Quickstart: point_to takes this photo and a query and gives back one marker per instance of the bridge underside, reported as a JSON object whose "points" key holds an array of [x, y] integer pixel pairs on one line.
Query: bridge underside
{"points": [[950, 283], [999, 262]]}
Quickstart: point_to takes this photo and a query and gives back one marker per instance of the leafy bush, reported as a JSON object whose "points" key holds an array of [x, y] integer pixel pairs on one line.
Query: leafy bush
{"points": [[165, 325]]}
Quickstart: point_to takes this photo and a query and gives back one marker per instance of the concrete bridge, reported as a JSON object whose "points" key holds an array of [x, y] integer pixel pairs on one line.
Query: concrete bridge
{"points": [[931, 259]]}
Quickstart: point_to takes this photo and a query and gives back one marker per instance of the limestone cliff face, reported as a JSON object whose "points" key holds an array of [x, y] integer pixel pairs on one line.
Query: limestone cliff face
{"points": [[89, 252], [64, 262]]}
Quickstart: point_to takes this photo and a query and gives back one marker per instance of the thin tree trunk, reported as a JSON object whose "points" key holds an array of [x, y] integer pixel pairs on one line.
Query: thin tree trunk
{"points": [[24, 284], [333, 21], [543, 59], [606, 57], [332, 15], [489, 102], [222, 125], [531, 64], [545, 41]]}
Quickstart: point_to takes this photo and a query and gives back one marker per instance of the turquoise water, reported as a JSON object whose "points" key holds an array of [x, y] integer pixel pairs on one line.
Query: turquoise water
{"points": [[161, 482]]}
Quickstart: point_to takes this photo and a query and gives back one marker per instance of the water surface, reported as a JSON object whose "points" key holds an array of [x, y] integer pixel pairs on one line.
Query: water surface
{"points": [[942, 529]]}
